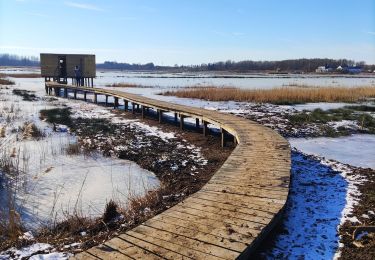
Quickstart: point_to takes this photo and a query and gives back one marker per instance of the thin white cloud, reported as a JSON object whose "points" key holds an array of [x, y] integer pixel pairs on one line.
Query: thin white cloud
{"points": [[38, 14], [369, 32], [228, 34], [83, 6], [238, 34], [127, 18]]}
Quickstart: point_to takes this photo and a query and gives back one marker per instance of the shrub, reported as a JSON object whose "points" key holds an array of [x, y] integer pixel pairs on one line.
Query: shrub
{"points": [[110, 211]]}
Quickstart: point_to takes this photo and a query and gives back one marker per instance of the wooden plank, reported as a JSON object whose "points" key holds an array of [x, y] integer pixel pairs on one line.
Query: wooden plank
{"points": [[232, 233], [186, 252], [180, 227], [105, 252], [158, 250], [84, 256], [192, 244], [130, 250]]}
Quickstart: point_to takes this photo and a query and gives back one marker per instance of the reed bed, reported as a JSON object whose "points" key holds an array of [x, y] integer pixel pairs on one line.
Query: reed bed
{"points": [[6, 82], [20, 75], [126, 85], [284, 95]]}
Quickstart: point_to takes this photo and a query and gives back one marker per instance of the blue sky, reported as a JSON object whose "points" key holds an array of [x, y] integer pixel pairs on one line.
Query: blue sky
{"points": [[169, 32]]}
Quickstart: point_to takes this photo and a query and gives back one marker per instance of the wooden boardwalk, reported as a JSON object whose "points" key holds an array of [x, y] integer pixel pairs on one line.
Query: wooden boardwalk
{"points": [[230, 215]]}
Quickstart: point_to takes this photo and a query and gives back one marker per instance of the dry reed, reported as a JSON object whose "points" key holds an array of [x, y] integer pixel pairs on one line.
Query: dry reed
{"points": [[6, 82], [284, 95], [21, 75], [125, 85]]}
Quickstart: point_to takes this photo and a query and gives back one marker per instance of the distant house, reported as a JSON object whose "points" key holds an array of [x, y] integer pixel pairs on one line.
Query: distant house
{"points": [[321, 69], [352, 70]]}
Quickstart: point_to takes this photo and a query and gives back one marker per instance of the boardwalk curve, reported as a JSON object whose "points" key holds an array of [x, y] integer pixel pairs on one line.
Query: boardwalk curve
{"points": [[230, 215]]}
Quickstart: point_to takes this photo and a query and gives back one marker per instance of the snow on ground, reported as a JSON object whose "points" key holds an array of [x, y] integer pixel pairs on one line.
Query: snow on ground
{"points": [[54, 183], [37, 251], [322, 195], [51, 182], [321, 105], [356, 150], [89, 110]]}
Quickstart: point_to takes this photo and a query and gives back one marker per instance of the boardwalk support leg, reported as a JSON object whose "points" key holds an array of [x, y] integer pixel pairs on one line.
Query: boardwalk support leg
{"points": [[143, 112], [106, 100], [205, 128], [116, 102], [85, 96], [160, 115], [75, 94], [197, 122], [65, 93], [223, 137], [175, 117], [95, 98], [126, 105], [182, 122]]}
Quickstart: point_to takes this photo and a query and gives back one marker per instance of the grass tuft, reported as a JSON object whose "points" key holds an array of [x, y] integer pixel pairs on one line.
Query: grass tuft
{"points": [[110, 211], [6, 82], [57, 116], [25, 94]]}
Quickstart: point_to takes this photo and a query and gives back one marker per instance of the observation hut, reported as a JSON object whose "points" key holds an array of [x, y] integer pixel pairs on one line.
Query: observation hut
{"points": [[61, 67]]}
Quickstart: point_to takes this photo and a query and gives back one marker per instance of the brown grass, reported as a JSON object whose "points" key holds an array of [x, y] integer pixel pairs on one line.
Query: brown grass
{"points": [[20, 75], [6, 82], [284, 95], [125, 85], [73, 149]]}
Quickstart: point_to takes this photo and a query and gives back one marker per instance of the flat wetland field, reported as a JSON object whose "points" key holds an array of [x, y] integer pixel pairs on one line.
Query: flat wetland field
{"points": [[139, 167]]}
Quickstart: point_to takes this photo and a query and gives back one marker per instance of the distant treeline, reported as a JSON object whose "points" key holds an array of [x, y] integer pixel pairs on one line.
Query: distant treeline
{"points": [[15, 60], [295, 65], [292, 65], [126, 66]]}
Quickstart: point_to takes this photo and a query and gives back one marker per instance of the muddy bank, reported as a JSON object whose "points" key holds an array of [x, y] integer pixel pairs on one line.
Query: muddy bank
{"points": [[361, 244]]}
